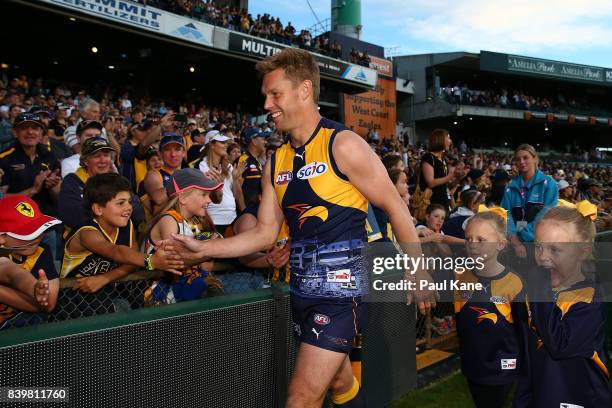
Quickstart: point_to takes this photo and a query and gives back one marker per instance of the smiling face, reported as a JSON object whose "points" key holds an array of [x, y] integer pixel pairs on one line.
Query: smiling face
{"points": [[28, 134], [283, 99], [172, 155], [99, 162], [117, 211], [194, 202], [557, 251]]}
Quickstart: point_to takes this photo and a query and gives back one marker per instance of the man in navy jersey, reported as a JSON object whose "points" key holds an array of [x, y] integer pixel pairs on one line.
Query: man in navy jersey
{"points": [[320, 181]]}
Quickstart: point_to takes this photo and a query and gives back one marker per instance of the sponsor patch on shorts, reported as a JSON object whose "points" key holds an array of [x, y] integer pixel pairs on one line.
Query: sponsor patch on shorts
{"points": [[508, 364], [341, 276]]}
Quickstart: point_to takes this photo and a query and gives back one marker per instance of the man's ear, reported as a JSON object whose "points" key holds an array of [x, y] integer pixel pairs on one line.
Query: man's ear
{"points": [[305, 90]]}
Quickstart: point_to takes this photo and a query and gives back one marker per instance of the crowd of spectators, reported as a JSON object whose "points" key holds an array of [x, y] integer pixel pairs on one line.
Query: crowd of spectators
{"points": [[505, 97], [263, 26], [56, 139]]}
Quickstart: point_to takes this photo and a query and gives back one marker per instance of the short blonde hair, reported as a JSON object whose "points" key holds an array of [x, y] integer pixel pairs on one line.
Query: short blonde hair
{"points": [[299, 66], [493, 219], [585, 228]]}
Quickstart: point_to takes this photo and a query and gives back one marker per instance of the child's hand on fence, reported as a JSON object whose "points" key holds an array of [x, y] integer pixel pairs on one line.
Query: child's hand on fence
{"points": [[91, 284], [41, 290]]}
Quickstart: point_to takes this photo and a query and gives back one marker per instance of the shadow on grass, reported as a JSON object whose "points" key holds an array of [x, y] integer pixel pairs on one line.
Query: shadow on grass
{"points": [[450, 392]]}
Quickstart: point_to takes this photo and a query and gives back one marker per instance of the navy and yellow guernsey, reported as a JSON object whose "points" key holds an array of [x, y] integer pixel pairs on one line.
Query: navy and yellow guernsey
{"points": [[564, 339], [326, 216], [489, 341], [78, 265]]}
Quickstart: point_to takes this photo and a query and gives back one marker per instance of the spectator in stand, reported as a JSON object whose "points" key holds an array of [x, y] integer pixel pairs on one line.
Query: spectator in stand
{"points": [[172, 151], [233, 153], [435, 173], [252, 162], [89, 109], [86, 129], [527, 198], [58, 148], [59, 123], [141, 136], [29, 168], [215, 166], [198, 136], [566, 192]]}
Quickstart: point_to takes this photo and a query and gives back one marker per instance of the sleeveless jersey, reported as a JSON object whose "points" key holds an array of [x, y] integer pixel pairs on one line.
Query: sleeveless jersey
{"points": [[78, 265], [326, 216]]}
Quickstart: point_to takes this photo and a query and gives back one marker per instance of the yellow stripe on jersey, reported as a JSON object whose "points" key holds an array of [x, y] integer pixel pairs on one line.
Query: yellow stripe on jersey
{"points": [[508, 288]]}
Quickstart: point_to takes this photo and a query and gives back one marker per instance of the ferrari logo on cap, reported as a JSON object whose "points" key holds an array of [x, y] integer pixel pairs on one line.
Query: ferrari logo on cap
{"points": [[25, 209]]}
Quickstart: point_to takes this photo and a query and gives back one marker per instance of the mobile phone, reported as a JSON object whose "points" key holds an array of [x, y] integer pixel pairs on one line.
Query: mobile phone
{"points": [[180, 118]]}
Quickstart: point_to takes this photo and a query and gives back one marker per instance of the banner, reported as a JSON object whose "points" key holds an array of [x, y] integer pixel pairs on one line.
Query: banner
{"points": [[383, 66], [141, 16], [372, 110], [491, 61], [260, 48]]}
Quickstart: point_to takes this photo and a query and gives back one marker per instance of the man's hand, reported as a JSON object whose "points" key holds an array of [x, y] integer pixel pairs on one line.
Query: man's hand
{"points": [[186, 248], [425, 298], [39, 181], [167, 261], [52, 179], [91, 284], [41, 290], [110, 125]]}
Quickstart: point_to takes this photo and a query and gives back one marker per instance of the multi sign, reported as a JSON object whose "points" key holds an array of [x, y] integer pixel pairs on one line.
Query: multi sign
{"points": [[260, 48]]}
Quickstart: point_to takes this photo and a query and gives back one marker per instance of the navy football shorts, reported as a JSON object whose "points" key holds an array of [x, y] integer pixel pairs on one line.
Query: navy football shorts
{"points": [[328, 323]]}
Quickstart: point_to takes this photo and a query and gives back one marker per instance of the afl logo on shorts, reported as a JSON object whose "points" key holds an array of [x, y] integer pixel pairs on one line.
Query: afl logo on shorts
{"points": [[321, 319], [283, 178], [311, 170]]}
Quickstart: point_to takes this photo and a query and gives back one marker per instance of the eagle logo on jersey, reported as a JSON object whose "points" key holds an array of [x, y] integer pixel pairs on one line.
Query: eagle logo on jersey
{"points": [[484, 314], [306, 211], [25, 209]]}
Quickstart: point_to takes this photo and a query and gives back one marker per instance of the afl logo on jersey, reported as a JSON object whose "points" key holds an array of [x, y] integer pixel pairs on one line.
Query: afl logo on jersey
{"points": [[311, 170], [283, 178]]}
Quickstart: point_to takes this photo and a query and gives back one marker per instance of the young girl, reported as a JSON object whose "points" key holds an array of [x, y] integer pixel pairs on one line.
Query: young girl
{"points": [[564, 326], [184, 213], [488, 338]]}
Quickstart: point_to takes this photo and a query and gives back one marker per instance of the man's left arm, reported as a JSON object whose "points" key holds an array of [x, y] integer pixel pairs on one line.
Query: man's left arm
{"points": [[356, 160]]}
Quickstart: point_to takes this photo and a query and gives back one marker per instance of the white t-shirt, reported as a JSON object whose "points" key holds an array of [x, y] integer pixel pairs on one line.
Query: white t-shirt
{"points": [[225, 212], [70, 164]]}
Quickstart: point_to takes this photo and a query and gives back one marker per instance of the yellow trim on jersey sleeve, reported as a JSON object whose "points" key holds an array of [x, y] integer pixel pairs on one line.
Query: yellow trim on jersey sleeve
{"points": [[507, 287], [31, 260], [568, 299], [9, 151], [73, 260]]}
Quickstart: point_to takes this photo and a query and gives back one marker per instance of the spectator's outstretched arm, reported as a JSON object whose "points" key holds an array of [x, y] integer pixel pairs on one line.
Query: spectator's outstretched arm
{"points": [[263, 236]]}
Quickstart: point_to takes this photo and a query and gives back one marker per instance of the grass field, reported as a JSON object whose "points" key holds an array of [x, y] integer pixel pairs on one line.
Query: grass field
{"points": [[450, 392]]}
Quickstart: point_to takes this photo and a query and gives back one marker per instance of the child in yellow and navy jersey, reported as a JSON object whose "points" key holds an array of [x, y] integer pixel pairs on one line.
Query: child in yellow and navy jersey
{"points": [[490, 348], [184, 213], [104, 250], [564, 325], [22, 226]]}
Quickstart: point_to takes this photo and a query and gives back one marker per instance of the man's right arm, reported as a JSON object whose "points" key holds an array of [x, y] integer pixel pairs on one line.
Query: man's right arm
{"points": [[263, 236]]}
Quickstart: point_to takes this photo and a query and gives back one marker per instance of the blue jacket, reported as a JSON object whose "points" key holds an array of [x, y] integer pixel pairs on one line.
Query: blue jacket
{"points": [[529, 202]]}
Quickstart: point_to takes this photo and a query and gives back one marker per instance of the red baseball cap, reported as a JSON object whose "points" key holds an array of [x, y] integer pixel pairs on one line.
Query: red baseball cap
{"points": [[21, 218]]}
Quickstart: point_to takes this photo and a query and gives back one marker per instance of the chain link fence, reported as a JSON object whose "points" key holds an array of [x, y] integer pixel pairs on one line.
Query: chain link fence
{"points": [[133, 292]]}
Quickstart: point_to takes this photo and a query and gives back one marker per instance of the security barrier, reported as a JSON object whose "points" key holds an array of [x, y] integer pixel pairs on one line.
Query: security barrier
{"points": [[227, 351]]}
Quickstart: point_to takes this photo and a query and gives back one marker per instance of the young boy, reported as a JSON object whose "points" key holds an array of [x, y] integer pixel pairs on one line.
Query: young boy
{"points": [[104, 250], [28, 279]]}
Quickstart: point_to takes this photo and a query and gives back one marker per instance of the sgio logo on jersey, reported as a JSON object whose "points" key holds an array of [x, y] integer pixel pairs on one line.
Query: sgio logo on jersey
{"points": [[311, 170]]}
